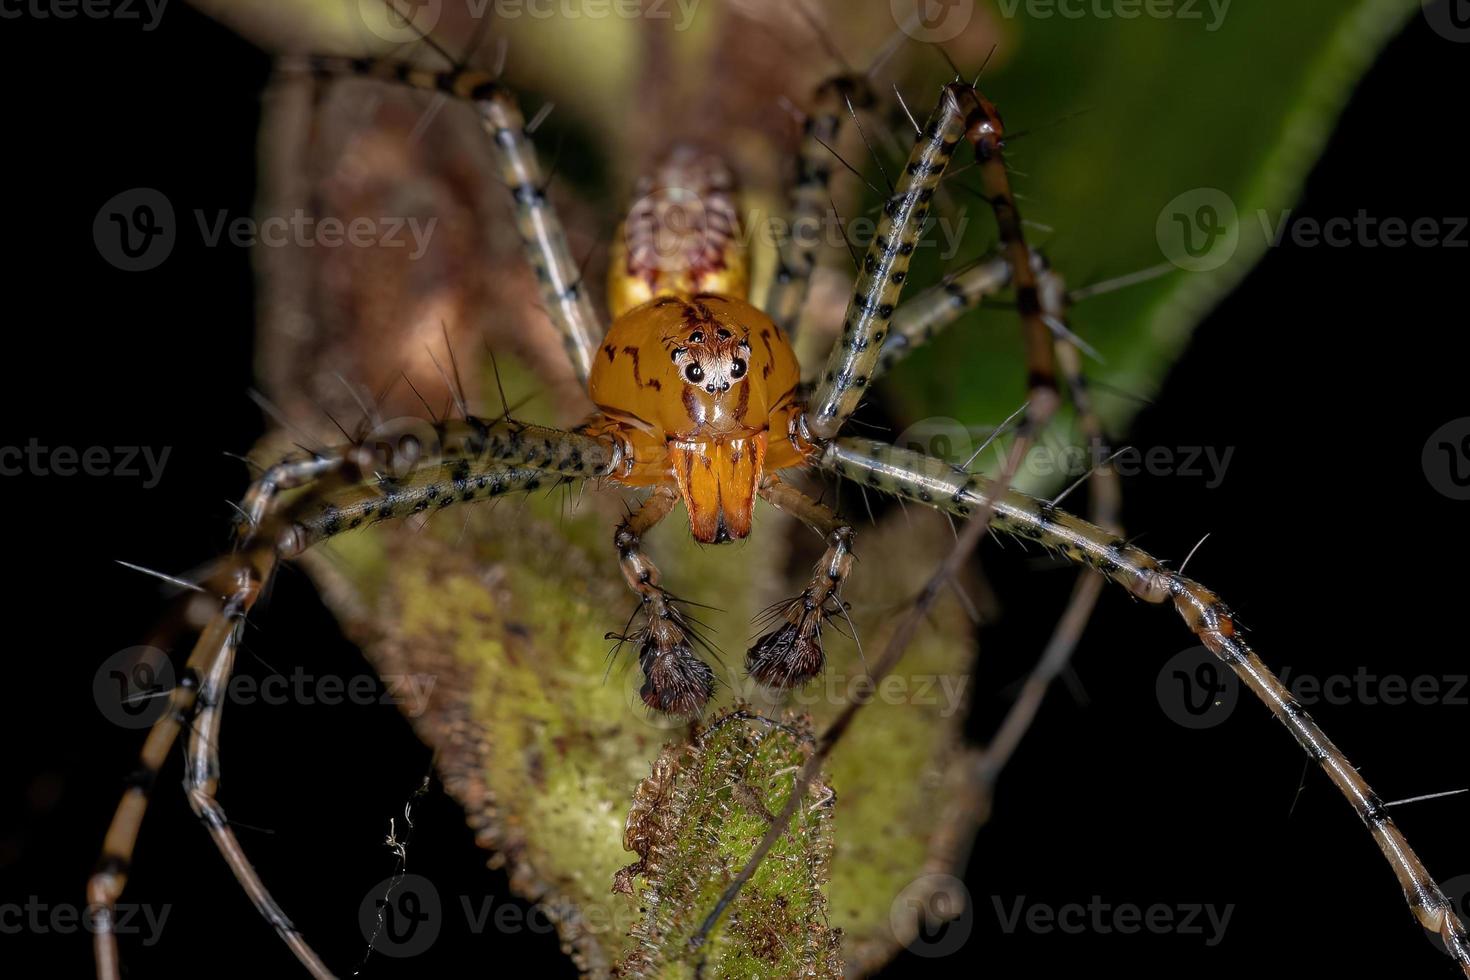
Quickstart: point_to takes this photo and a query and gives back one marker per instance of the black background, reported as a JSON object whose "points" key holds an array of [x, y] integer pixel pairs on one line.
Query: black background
{"points": [[1327, 371]]}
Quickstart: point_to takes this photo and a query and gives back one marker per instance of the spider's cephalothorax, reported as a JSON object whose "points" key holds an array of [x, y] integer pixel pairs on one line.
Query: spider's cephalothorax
{"points": [[702, 391]]}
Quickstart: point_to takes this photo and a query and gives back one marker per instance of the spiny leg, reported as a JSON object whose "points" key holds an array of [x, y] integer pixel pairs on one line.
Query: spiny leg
{"points": [[201, 781], [914, 323], [986, 134], [810, 197], [923, 315], [543, 240], [460, 451], [1106, 501], [791, 654], [675, 680], [202, 679], [1042, 299], [855, 355], [933, 482]]}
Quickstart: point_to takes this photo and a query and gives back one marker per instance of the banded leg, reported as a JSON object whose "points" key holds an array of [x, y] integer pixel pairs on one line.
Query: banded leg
{"points": [[1106, 503], [933, 482], [919, 318], [985, 132], [675, 681], [193, 704], [563, 294], [885, 268], [201, 781], [810, 197], [504, 451], [791, 654]]}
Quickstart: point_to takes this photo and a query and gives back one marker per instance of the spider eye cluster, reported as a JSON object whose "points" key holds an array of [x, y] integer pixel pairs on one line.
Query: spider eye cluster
{"points": [[714, 360]]}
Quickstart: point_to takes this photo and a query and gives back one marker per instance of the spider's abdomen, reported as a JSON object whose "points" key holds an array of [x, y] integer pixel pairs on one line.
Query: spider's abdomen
{"points": [[701, 389], [681, 236]]}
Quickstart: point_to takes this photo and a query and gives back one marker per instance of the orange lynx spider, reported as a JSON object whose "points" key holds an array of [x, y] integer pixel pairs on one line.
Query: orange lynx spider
{"points": [[699, 398]]}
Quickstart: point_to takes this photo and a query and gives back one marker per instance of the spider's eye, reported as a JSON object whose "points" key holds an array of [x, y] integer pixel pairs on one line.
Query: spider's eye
{"points": [[694, 373], [697, 337], [737, 369]]}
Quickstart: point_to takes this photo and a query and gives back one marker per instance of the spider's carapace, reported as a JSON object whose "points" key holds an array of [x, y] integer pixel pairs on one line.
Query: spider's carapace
{"points": [[699, 386]]}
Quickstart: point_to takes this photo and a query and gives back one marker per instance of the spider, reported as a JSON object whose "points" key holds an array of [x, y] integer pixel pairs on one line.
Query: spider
{"points": [[699, 398]]}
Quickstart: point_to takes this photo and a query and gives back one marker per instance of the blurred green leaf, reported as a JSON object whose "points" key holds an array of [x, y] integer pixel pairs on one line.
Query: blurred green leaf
{"points": [[1128, 124]]}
